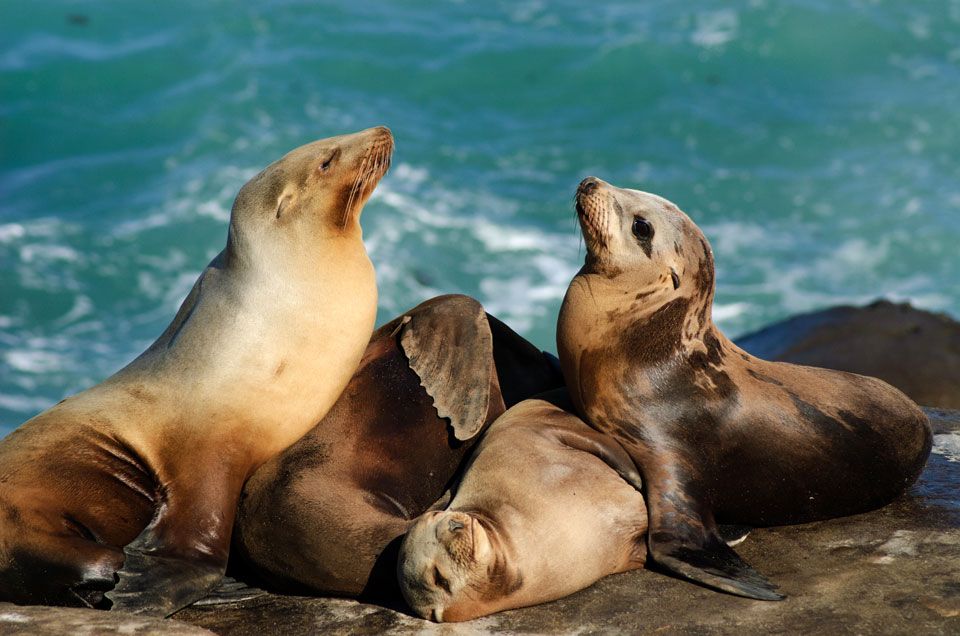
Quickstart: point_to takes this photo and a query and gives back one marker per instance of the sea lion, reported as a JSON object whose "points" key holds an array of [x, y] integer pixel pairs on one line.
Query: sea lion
{"points": [[540, 513], [717, 434], [915, 350], [138, 477], [326, 515]]}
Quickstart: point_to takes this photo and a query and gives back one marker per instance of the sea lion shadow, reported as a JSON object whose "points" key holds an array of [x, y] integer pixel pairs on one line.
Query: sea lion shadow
{"points": [[383, 586]]}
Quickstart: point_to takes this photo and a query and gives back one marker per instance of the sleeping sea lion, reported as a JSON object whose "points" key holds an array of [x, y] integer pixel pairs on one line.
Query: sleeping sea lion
{"points": [[717, 434], [130, 488], [540, 513], [326, 515]]}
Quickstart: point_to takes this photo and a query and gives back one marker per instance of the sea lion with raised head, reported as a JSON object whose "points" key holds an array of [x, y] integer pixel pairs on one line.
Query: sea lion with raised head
{"points": [[717, 434], [327, 514], [129, 489], [539, 513]]}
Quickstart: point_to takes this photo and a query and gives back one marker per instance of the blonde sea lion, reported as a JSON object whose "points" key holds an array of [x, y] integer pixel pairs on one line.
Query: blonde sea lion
{"points": [[717, 434], [129, 489], [540, 513], [327, 514]]}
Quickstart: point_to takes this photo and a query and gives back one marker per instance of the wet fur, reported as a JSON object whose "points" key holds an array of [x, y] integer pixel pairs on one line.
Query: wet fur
{"points": [[719, 435]]}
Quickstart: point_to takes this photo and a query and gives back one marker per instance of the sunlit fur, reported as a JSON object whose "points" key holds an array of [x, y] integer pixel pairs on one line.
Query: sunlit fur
{"points": [[444, 563], [262, 346]]}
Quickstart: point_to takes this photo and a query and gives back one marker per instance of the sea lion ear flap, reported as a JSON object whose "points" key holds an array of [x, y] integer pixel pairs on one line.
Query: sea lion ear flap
{"points": [[449, 346]]}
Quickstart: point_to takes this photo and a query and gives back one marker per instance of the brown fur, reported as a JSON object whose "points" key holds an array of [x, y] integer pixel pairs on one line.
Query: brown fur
{"points": [[717, 434], [325, 516]]}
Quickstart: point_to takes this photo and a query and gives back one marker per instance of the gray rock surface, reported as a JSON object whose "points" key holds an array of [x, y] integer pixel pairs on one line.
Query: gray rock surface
{"points": [[15, 620], [914, 350], [891, 571]]}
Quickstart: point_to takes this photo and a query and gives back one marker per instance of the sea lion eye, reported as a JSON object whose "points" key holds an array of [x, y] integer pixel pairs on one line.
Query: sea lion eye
{"points": [[323, 167], [282, 204], [642, 228], [440, 581]]}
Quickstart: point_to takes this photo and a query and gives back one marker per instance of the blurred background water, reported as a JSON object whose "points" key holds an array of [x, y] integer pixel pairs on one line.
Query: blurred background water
{"points": [[815, 142]]}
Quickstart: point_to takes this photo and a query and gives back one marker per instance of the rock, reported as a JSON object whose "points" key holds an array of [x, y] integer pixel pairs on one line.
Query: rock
{"points": [[37, 621], [894, 570], [914, 350]]}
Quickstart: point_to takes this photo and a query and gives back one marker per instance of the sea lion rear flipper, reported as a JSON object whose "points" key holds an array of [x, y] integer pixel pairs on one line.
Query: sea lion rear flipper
{"points": [[680, 541], [449, 346]]}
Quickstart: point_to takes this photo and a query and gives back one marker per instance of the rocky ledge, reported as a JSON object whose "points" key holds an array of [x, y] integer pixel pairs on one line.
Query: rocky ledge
{"points": [[892, 571]]}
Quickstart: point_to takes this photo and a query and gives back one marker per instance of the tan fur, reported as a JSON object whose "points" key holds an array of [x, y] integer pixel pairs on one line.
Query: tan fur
{"points": [[537, 516], [259, 351]]}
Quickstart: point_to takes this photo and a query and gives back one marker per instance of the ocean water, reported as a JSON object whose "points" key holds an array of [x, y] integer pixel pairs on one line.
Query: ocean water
{"points": [[816, 142]]}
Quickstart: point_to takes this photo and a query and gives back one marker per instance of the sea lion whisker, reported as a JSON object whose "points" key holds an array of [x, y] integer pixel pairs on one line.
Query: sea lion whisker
{"points": [[354, 188]]}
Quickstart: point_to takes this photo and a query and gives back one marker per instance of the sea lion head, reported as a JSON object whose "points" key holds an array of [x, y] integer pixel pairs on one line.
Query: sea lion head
{"points": [[644, 293], [314, 192], [452, 567], [643, 243]]}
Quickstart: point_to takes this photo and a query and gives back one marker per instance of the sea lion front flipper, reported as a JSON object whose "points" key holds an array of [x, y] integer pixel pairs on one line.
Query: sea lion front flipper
{"points": [[733, 534], [182, 553], [605, 448], [715, 565], [449, 346], [680, 541], [230, 590], [159, 585]]}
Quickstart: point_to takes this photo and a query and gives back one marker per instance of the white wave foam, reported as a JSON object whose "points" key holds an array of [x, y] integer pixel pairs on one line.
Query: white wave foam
{"points": [[715, 28], [10, 232], [32, 361], [723, 313], [82, 306], [23, 404], [49, 252], [948, 445]]}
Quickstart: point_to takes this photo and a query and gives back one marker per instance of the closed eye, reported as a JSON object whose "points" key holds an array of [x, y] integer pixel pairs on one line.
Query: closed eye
{"points": [[440, 581], [326, 163], [282, 204]]}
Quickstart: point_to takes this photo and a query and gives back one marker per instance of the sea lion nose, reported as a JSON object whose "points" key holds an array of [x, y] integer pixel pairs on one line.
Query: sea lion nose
{"points": [[452, 526], [380, 131], [587, 186]]}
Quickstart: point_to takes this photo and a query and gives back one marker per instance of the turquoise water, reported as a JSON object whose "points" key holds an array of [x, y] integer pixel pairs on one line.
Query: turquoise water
{"points": [[816, 142]]}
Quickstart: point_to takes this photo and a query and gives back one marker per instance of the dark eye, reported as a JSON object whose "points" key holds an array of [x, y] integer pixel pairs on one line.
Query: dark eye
{"points": [[642, 228]]}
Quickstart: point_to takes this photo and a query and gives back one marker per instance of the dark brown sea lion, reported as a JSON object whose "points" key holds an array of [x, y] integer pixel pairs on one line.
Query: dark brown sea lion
{"points": [[540, 513], [718, 435], [326, 516], [130, 488]]}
